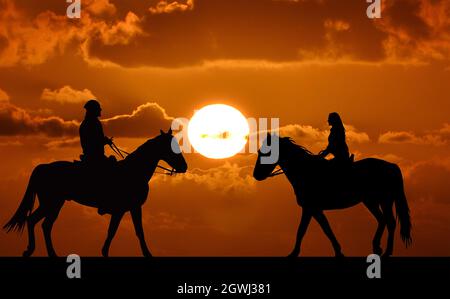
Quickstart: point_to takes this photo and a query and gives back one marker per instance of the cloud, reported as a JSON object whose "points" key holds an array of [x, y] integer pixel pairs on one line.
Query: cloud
{"points": [[438, 137], [17, 121], [355, 136], [337, 25], [399, 137], [169, 7], [316, 138], [227, 178], [67, 94], [146, 120], [64, 143], [417, 30], [3, 96], [99, 7], [423, 187], [410, 31], [27, 40], [122, 32]]}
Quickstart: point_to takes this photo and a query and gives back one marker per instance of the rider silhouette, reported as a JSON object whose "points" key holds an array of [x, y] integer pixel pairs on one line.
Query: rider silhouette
{"points": [[336, 140], [93, 141], [92, 137]]}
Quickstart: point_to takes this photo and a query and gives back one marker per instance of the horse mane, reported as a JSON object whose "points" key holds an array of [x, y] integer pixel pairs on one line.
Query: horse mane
{"points": [[297, 149], [141, 150]]}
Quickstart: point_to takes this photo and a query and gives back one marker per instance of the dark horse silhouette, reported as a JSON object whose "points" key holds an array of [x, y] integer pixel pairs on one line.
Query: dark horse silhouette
{"points": [[57, 182], [319, 186]]}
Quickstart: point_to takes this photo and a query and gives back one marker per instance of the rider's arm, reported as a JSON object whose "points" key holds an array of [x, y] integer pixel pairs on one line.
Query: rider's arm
{"points": [[107, 140]]}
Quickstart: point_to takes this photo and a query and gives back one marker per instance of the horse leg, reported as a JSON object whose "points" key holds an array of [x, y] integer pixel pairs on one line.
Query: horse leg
{"points": [[323, 222], [47, 226], [136, 215], [375, 210], [113, 225], [304, 222], [390, 221], [34, 218]]}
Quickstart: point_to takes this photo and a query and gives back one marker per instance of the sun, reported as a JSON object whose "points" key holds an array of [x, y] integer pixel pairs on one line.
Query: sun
{"points": [[218, 131]]}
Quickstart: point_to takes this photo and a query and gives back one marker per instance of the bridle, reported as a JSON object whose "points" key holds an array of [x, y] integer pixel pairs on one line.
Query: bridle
{"points": [[123, 153], [275, 172]]}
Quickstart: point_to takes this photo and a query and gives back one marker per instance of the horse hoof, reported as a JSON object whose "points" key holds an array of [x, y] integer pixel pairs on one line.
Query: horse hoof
{"points": [[339, 255], [27, 253], [105, 253], [294, 254], [386, 255]]}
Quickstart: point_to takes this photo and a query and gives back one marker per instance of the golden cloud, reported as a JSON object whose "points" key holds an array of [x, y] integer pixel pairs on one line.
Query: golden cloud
{"points": [[169, 7], [31, 41], [146, 120], [64, 143], [417, 30], [227, 178], [67, 94], [438, 137], [3, 96], [317, 138], [99, 7]]}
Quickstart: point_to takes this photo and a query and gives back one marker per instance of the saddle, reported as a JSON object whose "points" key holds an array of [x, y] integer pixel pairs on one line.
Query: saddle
{"points": [[97, 174]]}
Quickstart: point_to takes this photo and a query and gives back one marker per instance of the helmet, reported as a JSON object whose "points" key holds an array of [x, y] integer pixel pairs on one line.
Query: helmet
{"points": [[92, 105]]}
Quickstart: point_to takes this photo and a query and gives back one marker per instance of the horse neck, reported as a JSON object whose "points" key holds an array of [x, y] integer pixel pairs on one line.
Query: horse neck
{"points": [[142, 163], [295, 166]]}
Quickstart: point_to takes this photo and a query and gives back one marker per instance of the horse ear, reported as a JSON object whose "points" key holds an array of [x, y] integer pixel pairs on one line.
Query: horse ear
{"points": [[162, 132], [170, 131]]}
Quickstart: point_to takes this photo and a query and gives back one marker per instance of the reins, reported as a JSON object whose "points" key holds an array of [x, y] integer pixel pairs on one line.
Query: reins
{"points": [[123, 153], [276, 172]]}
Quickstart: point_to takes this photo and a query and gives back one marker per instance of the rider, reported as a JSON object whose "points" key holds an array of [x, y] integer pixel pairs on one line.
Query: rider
{"points": [[92, 137], [336, 140], [93, 141]]}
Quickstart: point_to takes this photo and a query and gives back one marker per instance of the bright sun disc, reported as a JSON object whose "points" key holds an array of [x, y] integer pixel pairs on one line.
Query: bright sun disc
{"points": [[218, 131]]}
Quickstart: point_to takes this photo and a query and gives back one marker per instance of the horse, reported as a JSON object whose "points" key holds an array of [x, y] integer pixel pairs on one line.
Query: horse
{"points": [[320, 185], [56, 182]]}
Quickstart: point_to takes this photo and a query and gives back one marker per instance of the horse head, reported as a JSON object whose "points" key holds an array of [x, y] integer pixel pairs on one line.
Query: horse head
{"points": [[170, 151], [264, 167]]}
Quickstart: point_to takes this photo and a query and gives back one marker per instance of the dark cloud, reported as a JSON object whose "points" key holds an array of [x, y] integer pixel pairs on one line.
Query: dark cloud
{"points": [[146, 120], [185, 33], [277, 31], [17, 121], [405, 15]]}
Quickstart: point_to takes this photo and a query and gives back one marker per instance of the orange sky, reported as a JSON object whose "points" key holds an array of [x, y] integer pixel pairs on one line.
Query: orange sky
{"points": [[150, 61]]}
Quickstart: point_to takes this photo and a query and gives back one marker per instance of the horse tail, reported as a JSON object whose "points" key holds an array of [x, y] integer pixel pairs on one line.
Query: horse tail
{"points": [[17, 222], [402, 209]]}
